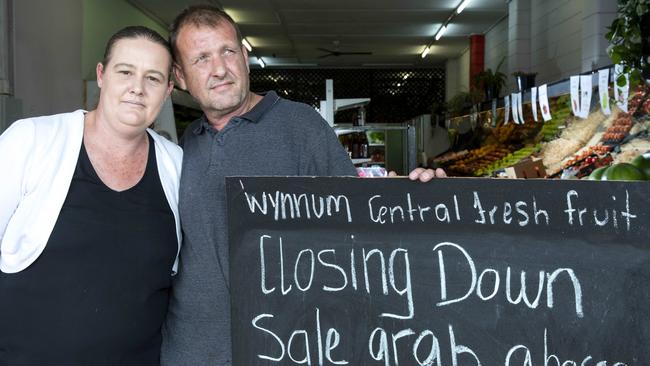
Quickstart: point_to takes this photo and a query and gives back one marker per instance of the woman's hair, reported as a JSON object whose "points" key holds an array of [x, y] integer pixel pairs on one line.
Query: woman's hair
{"points": [[199, 16], [134, 32]]}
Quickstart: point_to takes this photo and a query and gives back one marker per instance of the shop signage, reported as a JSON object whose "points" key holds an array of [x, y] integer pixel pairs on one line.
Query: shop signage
{"points": [[349, 271]]}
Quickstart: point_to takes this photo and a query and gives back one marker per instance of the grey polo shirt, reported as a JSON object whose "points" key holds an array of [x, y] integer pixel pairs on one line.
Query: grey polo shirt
{"points": [[276, 137]]}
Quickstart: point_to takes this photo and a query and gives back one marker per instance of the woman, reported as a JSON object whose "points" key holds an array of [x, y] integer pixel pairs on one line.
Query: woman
{"points": [[89, 225]]}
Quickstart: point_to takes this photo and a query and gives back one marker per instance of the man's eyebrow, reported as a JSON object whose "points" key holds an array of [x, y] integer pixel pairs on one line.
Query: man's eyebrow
{"points": [[198, 55]]}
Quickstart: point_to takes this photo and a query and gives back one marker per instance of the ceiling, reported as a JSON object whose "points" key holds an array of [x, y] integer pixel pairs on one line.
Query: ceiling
{"points": [[309, 33]]}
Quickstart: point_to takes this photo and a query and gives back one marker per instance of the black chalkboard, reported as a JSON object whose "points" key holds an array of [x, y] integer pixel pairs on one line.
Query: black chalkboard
{"points": [[352, 271]]}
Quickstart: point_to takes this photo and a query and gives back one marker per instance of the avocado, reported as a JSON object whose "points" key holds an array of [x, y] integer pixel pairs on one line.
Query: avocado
{"points": [[643, 163], [623, 171], [597, 174]]}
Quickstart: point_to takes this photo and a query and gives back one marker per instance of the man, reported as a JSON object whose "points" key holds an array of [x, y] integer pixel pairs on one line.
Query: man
{"points": [[241, 133]]}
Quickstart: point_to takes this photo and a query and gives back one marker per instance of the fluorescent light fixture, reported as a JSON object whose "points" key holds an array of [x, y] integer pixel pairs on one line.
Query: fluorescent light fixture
{"points": [[426, 52], [247, 45], [441, 32], [462, 6], [292, 64], [372, 64], [262, 63]]}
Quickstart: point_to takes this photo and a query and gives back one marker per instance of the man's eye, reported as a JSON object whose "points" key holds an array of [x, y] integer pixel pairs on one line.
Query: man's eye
{"points": [[153, 79], [200, 59], [125, 72]]}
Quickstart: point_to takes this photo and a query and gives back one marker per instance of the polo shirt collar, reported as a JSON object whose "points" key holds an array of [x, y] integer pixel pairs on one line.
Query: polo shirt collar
{"points": [[254, 115]]}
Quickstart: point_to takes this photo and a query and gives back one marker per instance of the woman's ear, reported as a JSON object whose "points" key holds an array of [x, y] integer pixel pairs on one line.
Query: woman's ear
{"points": [[99, 71]]}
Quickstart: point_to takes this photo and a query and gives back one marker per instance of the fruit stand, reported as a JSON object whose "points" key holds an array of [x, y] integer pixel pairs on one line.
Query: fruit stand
{"points": [[568, 146]]}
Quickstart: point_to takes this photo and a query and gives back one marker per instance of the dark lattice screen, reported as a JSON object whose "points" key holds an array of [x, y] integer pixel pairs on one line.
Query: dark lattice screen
{"points": [[396, 95]]}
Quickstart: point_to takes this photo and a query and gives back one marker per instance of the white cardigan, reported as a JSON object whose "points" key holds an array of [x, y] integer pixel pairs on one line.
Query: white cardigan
{"points": [[38, 157]]}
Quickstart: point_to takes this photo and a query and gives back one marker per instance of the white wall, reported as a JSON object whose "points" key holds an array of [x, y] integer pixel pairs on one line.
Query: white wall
{"points": [[496, 46], [56, 46], [597, 16], [452, 78], [464, 71], [457, 75], [102, 18], [554, 38], [519, 37], [47, 55]]}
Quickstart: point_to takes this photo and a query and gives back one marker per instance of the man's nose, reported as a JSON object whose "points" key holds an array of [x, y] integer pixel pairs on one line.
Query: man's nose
{"points": [[218, 67]]}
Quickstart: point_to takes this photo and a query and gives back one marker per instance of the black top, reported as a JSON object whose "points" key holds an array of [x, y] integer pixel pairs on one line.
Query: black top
{"points": [[98, 293]]}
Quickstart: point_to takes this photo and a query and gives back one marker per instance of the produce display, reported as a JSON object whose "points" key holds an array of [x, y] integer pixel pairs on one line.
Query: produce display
{"points": [[475, 160], [504, 145], [638, 169], [643, 163], [623, 141], [597, 147], [509, 160], [581, 139], [561, 112]]}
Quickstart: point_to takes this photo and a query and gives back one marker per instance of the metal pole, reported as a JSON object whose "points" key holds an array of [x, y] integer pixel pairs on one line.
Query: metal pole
{"points": [[329, 101], [6, 49], [412, 159]]}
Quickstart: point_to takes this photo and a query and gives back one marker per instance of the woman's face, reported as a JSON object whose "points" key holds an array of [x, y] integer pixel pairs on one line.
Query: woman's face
{"points": [[134, 83]]}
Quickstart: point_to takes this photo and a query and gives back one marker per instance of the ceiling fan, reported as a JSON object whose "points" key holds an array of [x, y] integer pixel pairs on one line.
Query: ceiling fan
{"points": [[329, 53]]}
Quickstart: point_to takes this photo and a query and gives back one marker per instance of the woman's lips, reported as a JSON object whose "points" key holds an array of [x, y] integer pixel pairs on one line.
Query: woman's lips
{"points": [[134, 103]]}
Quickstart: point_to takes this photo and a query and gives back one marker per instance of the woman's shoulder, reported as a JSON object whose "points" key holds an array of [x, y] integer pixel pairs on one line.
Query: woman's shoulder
{"points": [[46, 125], [54, 120]]}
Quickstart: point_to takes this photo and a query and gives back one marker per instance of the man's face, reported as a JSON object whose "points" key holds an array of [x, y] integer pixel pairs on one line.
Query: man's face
{"points": [[135, 82], [213, 67]]}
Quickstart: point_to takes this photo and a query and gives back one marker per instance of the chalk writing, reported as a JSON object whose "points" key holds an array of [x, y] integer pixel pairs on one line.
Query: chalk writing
{"points": [[467, 272]]}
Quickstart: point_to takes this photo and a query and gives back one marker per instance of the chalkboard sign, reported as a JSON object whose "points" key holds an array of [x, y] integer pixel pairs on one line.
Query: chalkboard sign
{"points": [[349, 271]]}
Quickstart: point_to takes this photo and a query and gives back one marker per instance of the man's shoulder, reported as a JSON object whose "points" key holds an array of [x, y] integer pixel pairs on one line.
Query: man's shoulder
{"points": [[298, 114], [296, 107], [194, 125], [189, 132]]}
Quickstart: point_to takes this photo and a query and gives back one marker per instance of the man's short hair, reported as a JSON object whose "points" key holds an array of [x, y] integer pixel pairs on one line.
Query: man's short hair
{"points": [[199, 16]]}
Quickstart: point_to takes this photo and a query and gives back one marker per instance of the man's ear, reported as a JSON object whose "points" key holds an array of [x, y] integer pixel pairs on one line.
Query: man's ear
{"points": [[180, 78], [245, 53], [170, 87], [99, 71]]}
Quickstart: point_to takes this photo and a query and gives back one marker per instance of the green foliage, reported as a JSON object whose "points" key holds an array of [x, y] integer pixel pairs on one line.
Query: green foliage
{"points": [[563, 101], [495, 80], [461, 102], [624, 36]]}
